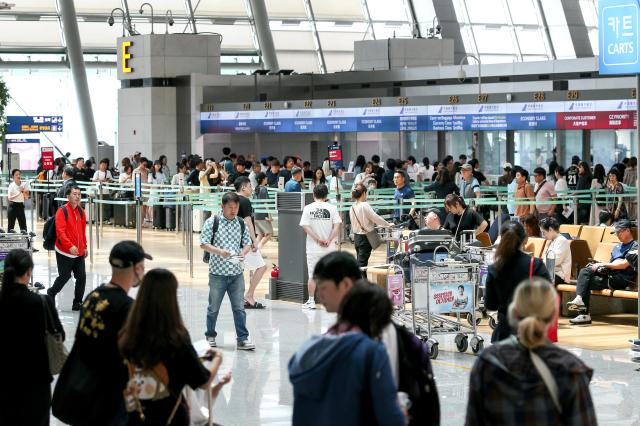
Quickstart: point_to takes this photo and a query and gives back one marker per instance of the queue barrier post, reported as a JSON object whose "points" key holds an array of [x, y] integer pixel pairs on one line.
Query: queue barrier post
{"points": [[138, 220], [190, 240], [90, 208]]}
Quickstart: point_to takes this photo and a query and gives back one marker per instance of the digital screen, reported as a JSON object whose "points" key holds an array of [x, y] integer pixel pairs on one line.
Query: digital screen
{"points": [[29, 150]]}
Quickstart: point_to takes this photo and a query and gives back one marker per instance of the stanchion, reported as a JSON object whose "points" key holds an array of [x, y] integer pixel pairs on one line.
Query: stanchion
{"points": [[35, 200], [90, 208], [592, 209], [32, 213], [190, 242], [138, 221], [575, 211], [1, 211], [101, 211], [98, 225]]}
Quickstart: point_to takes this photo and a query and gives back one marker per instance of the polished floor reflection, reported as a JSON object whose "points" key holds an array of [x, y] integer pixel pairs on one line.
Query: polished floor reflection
{"points": [[260, 393]]}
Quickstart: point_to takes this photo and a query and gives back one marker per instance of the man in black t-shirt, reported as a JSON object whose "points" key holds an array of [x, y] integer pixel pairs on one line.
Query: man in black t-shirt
{"points": [[241, 170], [194, 177], [95, 352], [257, 264], [572, 173]]}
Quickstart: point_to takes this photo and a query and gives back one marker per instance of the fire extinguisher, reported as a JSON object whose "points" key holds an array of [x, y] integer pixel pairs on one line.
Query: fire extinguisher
{"points": [[275, 271]]}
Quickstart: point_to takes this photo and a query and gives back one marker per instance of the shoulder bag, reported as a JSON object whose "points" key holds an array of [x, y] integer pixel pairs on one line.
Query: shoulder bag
{"points": [[372, 236], [54, 341]]}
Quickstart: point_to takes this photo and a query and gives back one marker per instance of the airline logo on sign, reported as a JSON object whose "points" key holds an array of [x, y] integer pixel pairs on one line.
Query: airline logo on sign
{"points": [[619, 37]]}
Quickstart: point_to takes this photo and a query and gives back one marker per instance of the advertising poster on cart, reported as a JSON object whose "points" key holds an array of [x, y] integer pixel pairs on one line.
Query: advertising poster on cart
{"points": [[395, 289], [446, 298]]}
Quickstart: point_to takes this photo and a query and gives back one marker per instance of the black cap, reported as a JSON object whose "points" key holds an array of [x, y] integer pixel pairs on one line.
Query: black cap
{"points": [[126, 254], [620, 225]]}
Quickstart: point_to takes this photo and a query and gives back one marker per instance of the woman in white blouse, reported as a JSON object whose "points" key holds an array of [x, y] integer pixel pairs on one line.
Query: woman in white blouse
{"points": [[557, 249], [363, 220]]}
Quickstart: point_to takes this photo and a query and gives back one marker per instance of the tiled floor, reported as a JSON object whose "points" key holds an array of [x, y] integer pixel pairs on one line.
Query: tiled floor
{"points": [[260, 392]]}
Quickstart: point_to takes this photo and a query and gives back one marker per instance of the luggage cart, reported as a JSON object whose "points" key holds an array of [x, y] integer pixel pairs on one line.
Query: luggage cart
{"points": [[14, 240], [393, 238], [439, 288], [484, 256]]}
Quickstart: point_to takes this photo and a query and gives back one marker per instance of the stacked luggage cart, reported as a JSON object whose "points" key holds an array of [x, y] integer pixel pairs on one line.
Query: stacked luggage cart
{"points": [[433, 292]]}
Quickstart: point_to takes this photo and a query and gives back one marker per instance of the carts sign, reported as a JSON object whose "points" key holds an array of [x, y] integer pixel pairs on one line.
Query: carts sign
{"points": [[619, 37]]}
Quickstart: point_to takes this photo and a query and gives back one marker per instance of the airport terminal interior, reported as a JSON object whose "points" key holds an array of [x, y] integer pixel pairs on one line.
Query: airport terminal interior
{"points": [[399, 212]]}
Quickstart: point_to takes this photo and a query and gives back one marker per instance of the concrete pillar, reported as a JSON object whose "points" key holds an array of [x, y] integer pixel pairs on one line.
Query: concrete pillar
{"points": [[78, 71], [446, 13], [577, 28], [263, 32]]}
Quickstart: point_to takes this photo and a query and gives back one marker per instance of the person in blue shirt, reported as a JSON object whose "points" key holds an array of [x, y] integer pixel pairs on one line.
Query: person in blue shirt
{"points": [[618, 274], [402, 194], [344, 377], [294, 184]]}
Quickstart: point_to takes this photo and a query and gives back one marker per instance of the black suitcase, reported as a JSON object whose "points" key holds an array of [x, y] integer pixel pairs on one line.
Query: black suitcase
{"points": [[158, 217], [120, 217], [170, 218], [48, 206]]}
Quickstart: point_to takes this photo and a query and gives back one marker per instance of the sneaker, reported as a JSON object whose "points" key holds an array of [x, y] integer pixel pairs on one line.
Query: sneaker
{"points": [[212, 342], [38, 285], [582, 319], [309, 304], [576, 304], [76, 306], [246, 345]]}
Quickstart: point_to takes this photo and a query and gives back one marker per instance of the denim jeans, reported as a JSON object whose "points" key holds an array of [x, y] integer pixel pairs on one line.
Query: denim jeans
{"points": [[233, 285]]}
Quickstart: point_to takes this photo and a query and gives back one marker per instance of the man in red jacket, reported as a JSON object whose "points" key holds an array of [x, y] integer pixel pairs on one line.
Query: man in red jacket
{"points": [[71, 246]]}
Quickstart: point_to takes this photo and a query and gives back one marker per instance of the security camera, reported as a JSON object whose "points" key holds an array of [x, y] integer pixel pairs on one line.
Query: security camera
{"points": [[438, 29], [462, 75], [171, 22], [110, 21]]}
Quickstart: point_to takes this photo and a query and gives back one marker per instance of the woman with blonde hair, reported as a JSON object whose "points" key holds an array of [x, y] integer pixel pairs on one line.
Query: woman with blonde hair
{"points": [[526, 379]]}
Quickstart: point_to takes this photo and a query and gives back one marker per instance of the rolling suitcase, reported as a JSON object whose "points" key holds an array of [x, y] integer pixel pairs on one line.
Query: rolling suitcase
{"points": [[158, 217], [124, 215], [170, 218]]}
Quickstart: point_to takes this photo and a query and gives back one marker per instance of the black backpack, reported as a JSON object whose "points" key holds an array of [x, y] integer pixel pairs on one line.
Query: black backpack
{"points": [[415, 377], [49, 230], [216, 222]]}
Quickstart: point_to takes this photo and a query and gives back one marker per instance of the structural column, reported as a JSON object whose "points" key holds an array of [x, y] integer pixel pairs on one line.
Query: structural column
{"points": [[446, 13], [263, 32], [78, 71], [577, 28]]}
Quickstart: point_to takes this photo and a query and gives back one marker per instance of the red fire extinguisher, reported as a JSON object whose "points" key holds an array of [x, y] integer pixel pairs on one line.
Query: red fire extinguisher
{"points": [[275, 271]]}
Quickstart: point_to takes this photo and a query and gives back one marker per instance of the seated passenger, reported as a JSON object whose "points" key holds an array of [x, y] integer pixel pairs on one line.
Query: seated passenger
{"points": [[433, 221], [507, 383], [617, 274], [462, 218], [605, 218], [557, 249], [531, 225], [348, 361]]}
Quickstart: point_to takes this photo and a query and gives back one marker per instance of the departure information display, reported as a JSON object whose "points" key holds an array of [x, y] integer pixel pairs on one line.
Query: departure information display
{"points": [[33, 124], [567, 115]]}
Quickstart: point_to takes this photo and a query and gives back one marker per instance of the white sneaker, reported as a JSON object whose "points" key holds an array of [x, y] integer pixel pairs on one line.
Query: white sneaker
{"points": [[576, 304], [246, 345], [212, 341], [309, 304], [583, 319]]}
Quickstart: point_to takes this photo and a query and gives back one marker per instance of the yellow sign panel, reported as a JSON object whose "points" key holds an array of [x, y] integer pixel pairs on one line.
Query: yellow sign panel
{"points": [[126, 56]]}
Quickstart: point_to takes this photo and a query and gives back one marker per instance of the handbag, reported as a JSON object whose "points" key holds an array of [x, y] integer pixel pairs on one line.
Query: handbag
{"points": [[552, 332], [372, 236], [54, 341]]}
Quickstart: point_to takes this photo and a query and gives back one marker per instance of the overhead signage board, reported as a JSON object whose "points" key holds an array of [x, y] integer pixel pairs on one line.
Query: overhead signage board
{"points": [[619, 37], [570, 115], [17, 124]]}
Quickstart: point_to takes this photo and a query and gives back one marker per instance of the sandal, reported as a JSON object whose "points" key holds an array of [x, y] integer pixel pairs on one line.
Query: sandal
{"points": [[256, 305]]}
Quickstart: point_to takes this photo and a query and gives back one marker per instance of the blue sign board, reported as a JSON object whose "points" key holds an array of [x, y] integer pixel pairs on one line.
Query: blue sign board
{"points": [[33, 124], [619, 37]]}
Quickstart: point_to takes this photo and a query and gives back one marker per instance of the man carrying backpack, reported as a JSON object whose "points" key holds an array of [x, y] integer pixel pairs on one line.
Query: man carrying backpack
{"points": [[70, 246], [226, 239]]}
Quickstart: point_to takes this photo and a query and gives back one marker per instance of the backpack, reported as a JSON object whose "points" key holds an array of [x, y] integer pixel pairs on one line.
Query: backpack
{"points": [[49, 235], [415, 377], [216, 222]]}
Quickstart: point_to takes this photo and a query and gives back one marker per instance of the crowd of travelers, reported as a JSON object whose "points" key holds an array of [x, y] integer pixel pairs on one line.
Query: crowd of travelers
{"points": [[121, 343]]}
